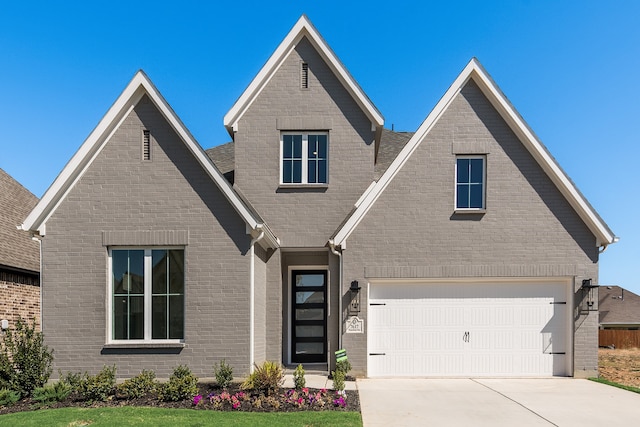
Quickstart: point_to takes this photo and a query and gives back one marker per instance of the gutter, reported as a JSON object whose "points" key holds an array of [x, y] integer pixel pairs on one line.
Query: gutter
{"points": [[252, 302], [332, 246]]}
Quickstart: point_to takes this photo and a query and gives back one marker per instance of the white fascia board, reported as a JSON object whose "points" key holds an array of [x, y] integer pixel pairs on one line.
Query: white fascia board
{"points": [[302, 28], [372, 195], [542, 156], [92, 146], [475, 71], [80, 160]]}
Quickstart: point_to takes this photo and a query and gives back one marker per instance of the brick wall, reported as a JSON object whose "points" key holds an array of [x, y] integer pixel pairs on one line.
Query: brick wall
{"points": [[528, 230], [20, 300]]}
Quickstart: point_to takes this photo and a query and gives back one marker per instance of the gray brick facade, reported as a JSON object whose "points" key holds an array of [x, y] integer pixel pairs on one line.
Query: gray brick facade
{"points": [[412, 231]]}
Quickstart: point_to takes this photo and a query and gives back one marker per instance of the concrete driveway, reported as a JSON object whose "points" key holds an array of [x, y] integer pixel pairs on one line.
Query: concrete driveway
{"points": [[496, 402]]}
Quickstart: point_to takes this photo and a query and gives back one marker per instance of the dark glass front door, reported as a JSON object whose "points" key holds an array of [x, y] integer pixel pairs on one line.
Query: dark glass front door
{"points": [[309, 316]]}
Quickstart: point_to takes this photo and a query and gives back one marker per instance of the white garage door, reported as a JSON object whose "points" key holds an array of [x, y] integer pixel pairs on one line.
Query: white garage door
{"points": [[468, 329]]}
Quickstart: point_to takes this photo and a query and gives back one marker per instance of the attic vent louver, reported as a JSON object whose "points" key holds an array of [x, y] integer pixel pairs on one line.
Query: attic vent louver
{"points": [[146, 145], [304, 75]]}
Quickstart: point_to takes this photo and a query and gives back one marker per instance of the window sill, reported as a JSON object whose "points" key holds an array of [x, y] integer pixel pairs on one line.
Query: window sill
{"points": [[469, 211], [144, 345]]}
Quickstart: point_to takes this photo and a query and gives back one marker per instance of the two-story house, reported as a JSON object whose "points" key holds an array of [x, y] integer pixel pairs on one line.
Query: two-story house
{"points": [[457, 250]]}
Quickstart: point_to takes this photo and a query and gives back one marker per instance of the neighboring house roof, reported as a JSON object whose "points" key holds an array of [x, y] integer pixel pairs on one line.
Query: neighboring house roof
{"points": [[82, 159], [302, 28], [618, 306], [473, 70], [17, 249], [223, 156]]}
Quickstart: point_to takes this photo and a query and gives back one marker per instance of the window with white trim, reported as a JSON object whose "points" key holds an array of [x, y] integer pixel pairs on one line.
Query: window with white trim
{"points": [[147, 294], [304, 158], [470, 182]]}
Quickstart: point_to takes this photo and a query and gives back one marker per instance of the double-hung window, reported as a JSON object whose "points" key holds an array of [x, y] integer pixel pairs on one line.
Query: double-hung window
{"points": [[304, 158], [147, 294], [470, 182]]}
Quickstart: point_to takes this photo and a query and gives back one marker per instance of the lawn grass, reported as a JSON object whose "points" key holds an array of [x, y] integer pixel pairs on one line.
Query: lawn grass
{"points": [[611, 383], [136, 416]]}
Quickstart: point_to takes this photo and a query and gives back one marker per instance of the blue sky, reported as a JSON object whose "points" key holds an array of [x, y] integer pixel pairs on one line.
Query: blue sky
{"points": [[570, 68]]}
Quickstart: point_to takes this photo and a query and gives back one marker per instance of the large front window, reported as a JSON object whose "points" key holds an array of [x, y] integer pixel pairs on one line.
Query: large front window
{"points": [[147, 294], [304, 158]]}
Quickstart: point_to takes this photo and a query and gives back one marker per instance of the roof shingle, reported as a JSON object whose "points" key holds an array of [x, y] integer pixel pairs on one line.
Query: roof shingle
{"points": [[17, 249]]}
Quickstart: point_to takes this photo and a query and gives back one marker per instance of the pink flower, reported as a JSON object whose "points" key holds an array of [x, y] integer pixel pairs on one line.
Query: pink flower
{"points": [[197, 399]]}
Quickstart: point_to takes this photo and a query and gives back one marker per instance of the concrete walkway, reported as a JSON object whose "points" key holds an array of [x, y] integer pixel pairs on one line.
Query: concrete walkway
{"points": [[496, 402], [317, 381]]}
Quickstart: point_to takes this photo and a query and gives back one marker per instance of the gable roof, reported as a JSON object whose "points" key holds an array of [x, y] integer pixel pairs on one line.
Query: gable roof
{"points": [[17, 249], [139, 86], [302, 28], [475, 71], [618, 306]]}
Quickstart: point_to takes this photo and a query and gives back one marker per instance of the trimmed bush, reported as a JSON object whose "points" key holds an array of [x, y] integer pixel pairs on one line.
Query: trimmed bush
{"points": [[8, 397], [298, 378], [338, 380], [182, 385], [25, 362], [223, 373], [98, 387], [49, 394], [266, 378], [138, 386], [344, 366]]}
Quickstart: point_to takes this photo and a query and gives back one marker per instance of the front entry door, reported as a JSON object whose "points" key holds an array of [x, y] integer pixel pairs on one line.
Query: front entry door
{"points": [[309, 316]]}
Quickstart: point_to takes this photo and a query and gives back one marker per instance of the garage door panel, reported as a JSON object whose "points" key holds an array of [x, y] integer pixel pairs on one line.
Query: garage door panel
{"points": [[467, 329]]}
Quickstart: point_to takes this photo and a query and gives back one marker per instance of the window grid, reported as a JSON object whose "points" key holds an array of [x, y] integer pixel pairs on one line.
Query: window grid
{"points": [[157, 273], [470, 178], [304, 158]]}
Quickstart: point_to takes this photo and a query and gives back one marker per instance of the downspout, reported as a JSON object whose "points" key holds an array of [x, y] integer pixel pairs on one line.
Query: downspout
{"points": [[252, 303], [332, 246]]}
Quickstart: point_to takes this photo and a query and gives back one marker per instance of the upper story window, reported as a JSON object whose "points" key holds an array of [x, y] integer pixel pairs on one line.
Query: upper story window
{"points": [[147, 294], [304, 158], [470, 182]]}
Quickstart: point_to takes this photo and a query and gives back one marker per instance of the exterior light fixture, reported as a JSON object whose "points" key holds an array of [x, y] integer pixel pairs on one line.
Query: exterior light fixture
{"points": [[589, 296], [354, 290]]}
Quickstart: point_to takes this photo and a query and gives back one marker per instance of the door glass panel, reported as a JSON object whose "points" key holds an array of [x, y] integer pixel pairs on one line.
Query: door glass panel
{"points": [[303, 280], [309, 314], [309, 331], [309, 348], [309, 297]]}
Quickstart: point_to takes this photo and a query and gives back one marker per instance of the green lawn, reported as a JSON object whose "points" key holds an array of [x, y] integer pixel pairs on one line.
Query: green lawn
{"points": [[611, 383], [134, 416]]}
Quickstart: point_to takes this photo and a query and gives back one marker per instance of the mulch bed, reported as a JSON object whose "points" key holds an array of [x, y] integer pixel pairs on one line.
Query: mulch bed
{"points": [[214, 398]]}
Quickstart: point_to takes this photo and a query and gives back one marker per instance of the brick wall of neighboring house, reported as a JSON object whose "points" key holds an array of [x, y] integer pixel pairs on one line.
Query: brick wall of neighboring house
{"points": [[20, 298]]}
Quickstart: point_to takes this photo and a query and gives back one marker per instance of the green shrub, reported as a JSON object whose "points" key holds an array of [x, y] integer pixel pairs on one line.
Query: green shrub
{"points": [[181, 385], [138, 386], [343, 366], [8, 397], [338, 380], [298, 378], [25, 362], [266, 378], [98, 387], [223, 373], [49, 394], [73, 380]]}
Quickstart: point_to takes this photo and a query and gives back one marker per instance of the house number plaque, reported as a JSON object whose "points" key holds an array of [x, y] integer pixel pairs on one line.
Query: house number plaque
{"points": [[355, 325]]}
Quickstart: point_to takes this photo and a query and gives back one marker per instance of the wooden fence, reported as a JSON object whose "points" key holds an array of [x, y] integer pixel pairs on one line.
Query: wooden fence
{"points": [[619, 337]]}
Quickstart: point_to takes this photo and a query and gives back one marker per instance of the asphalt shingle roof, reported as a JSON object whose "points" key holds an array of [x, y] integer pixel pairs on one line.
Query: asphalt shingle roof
{"points": [[223, 156], [618, 305], [17, 249]]}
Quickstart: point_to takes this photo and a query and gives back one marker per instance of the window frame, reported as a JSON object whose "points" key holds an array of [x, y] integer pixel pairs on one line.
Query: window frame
{"points": [[304, 159], [484, 185], [148, 296]]}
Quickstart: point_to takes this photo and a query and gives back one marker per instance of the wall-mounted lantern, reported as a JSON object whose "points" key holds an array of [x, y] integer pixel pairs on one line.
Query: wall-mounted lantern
{"points": [[589, 296], [354, 290]]}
